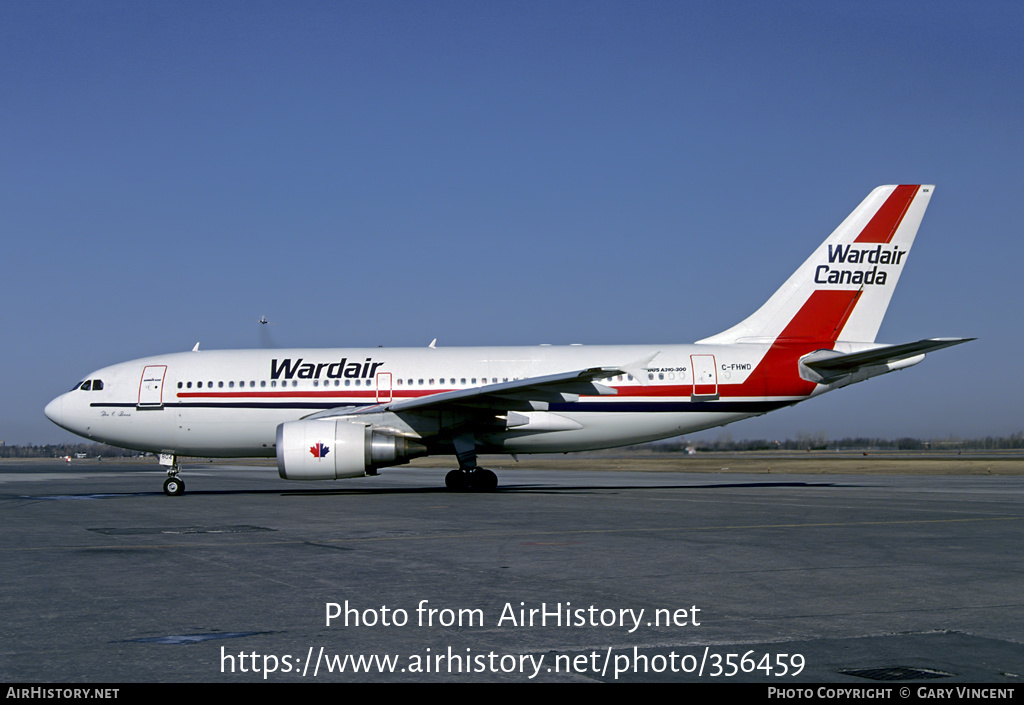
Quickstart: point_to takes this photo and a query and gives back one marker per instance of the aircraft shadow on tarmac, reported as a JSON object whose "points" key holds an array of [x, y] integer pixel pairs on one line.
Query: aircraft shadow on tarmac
{"points": [[559, 489], [504, 489]]}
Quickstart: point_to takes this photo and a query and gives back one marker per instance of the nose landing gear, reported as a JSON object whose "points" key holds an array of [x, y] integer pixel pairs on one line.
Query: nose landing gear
{"points": [[173, 485]]}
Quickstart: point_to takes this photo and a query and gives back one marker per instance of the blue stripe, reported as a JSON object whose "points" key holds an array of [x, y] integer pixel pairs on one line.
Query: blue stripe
{"points": [[730, 407]]}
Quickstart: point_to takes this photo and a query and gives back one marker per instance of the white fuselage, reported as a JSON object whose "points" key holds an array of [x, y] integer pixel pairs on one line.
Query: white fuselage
{"points": [[229, 403]]}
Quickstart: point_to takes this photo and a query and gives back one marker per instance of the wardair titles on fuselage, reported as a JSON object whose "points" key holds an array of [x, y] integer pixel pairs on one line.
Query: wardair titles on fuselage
{"points": [[300, 369], [848, 254]]}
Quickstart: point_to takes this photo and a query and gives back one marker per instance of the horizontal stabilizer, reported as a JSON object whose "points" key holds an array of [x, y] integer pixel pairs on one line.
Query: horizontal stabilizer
{"points": [[831, 365]]}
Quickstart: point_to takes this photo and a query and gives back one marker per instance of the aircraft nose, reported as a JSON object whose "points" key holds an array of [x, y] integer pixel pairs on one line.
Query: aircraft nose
{"points": [[54, 410]]}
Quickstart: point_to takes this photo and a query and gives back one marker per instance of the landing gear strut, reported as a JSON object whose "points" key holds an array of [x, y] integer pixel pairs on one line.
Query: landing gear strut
{"points": [[173, 485]]}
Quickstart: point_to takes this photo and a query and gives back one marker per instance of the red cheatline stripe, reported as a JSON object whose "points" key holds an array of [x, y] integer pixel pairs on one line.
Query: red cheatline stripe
{"points": [[888, 218], [814, 326]]}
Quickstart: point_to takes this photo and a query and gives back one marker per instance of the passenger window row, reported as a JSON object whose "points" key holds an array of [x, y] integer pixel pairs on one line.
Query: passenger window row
{"points": [[263, 384]]}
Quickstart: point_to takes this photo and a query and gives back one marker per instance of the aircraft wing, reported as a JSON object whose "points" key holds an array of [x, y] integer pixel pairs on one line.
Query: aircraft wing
{"points": [[531, 393], [566, 386], [831, 365]]}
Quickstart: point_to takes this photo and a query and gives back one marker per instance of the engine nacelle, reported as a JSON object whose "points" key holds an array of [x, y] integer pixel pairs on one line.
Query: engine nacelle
{"points": [[330, 449]]}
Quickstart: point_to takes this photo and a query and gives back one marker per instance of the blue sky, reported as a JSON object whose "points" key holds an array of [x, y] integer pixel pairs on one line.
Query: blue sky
{"points": [[386, 173]]}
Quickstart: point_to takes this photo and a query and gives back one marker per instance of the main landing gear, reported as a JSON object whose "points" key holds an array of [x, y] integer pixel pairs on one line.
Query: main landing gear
{"points": [[477, 480], [469, 478], [173, 485]]}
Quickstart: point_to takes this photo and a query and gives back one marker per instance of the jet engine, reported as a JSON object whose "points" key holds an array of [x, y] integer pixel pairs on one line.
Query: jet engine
{"points": [[330, 449]]}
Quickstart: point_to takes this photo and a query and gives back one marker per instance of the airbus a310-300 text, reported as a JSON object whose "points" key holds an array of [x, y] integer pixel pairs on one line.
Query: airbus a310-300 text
{"points": [[330, 414]]}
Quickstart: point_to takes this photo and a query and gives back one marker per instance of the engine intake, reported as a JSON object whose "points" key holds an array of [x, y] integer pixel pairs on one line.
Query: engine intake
{"points": [[330, 449]]}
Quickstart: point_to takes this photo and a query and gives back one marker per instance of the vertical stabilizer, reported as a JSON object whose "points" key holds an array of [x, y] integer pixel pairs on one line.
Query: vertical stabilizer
{"points": [[843, 290]]}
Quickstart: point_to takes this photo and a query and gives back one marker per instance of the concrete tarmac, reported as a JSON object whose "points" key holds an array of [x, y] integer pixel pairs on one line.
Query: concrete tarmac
{"points": [[569, 576]]}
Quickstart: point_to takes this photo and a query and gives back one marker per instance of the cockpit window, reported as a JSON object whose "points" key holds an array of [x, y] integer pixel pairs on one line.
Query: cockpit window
{"points": [[78, 385], [93, 384]]}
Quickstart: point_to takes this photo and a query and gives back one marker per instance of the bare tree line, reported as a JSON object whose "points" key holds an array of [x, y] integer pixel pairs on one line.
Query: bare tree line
{"points": [[724, 442]]}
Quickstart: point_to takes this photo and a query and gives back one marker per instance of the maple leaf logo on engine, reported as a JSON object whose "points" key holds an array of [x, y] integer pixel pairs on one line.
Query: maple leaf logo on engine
{"points": [[319, 450]]}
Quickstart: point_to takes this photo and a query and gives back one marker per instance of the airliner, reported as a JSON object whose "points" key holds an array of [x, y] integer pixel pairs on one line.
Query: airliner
{"points": [[327, 414]]}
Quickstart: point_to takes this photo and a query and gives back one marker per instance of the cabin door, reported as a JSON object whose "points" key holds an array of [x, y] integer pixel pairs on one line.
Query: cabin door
{"points": [[151, 387]]}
